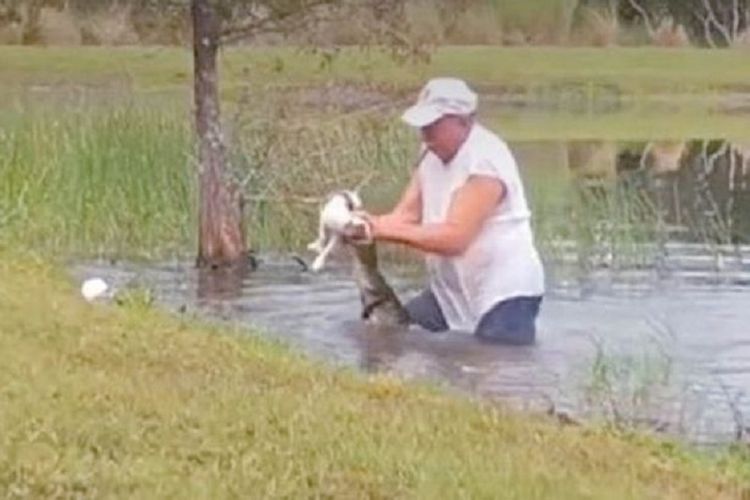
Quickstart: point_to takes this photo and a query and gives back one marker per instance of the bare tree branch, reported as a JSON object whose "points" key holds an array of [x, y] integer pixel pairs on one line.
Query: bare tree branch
{"points": [[715, 22], [274, 18], [642, 12], [706, 29]]}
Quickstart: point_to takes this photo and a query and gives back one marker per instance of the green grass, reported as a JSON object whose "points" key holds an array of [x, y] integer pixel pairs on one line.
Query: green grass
{"points": [[100, 401], [636, 71], [651, 93], [120, 182], [97, 144], [98, 181], [642, 122]]}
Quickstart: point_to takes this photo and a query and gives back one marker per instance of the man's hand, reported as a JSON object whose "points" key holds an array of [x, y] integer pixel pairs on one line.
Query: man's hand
{"points": [[373, 227], [358, 233], [470, 207], [383, 225]]}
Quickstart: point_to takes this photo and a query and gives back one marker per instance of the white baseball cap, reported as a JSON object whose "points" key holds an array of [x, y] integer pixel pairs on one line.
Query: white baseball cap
{"points": [[440, 97]]}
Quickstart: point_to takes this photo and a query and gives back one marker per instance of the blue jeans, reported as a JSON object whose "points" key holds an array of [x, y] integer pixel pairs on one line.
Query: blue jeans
{"points": [[510, 321]]}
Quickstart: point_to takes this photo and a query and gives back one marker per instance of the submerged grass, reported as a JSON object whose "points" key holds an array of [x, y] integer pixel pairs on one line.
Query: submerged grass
{"points": [[126, 401]]}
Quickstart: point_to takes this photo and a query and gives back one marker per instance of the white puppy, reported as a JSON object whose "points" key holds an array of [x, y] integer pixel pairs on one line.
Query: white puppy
{"points": [[337, 218]]}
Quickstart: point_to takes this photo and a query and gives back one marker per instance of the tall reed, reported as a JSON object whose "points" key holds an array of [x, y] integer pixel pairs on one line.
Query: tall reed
{"points": [[121, 182], [102, 181]]}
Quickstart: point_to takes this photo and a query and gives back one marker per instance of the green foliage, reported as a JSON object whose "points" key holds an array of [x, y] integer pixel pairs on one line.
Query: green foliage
{"points": [[707, 22], [92, 180], [405, 25], [135, 298], [623, 389], [108, 171]]}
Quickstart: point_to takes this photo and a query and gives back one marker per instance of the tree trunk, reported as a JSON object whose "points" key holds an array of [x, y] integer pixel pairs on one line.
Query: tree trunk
{"points": [[221, 234]]}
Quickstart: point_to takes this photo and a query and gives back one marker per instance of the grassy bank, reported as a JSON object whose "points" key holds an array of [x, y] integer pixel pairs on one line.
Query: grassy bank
{"points": [[126, 401], [635, 71], [614, 93]]}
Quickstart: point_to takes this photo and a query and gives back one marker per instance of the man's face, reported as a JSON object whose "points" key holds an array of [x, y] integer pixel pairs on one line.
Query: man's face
{"points": [[444, 136]]}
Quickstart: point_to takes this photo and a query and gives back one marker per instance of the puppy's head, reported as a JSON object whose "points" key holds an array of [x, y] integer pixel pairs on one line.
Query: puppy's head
{"points": [[351, 198], [338, 215]]}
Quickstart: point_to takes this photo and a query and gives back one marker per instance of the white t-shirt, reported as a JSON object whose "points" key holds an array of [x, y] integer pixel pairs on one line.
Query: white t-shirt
{"points": [[502, 261]]}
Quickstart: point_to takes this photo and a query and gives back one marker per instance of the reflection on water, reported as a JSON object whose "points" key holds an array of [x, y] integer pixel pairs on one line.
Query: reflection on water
{"points": [[223, 283], [628, 208], [700, 187], [696, 190]]}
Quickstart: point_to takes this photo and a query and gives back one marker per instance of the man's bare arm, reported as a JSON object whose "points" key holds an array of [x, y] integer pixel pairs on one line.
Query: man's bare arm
{"points": [[409, 208], [470, 207]]}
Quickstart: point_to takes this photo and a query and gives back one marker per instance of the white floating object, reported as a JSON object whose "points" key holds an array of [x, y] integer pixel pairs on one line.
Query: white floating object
{"points": [[93, 288]]}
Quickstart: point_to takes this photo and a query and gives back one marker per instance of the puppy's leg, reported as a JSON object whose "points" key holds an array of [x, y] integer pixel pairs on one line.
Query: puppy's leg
{"points": [[320, 260], [317, 245]]}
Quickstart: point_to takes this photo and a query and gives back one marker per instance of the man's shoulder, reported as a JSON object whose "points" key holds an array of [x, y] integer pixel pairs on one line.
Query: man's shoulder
{"points": [[487, 143], [486, 138]]}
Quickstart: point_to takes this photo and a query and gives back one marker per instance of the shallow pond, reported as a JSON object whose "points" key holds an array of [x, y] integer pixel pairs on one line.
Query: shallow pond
{"points": [[640, 327]]}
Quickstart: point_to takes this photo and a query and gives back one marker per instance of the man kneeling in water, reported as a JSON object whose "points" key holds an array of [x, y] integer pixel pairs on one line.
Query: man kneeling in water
{"points": [[465, 208]]}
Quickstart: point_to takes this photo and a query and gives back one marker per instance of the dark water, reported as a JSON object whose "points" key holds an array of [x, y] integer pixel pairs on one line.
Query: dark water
{"points": [[649, 329]]}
